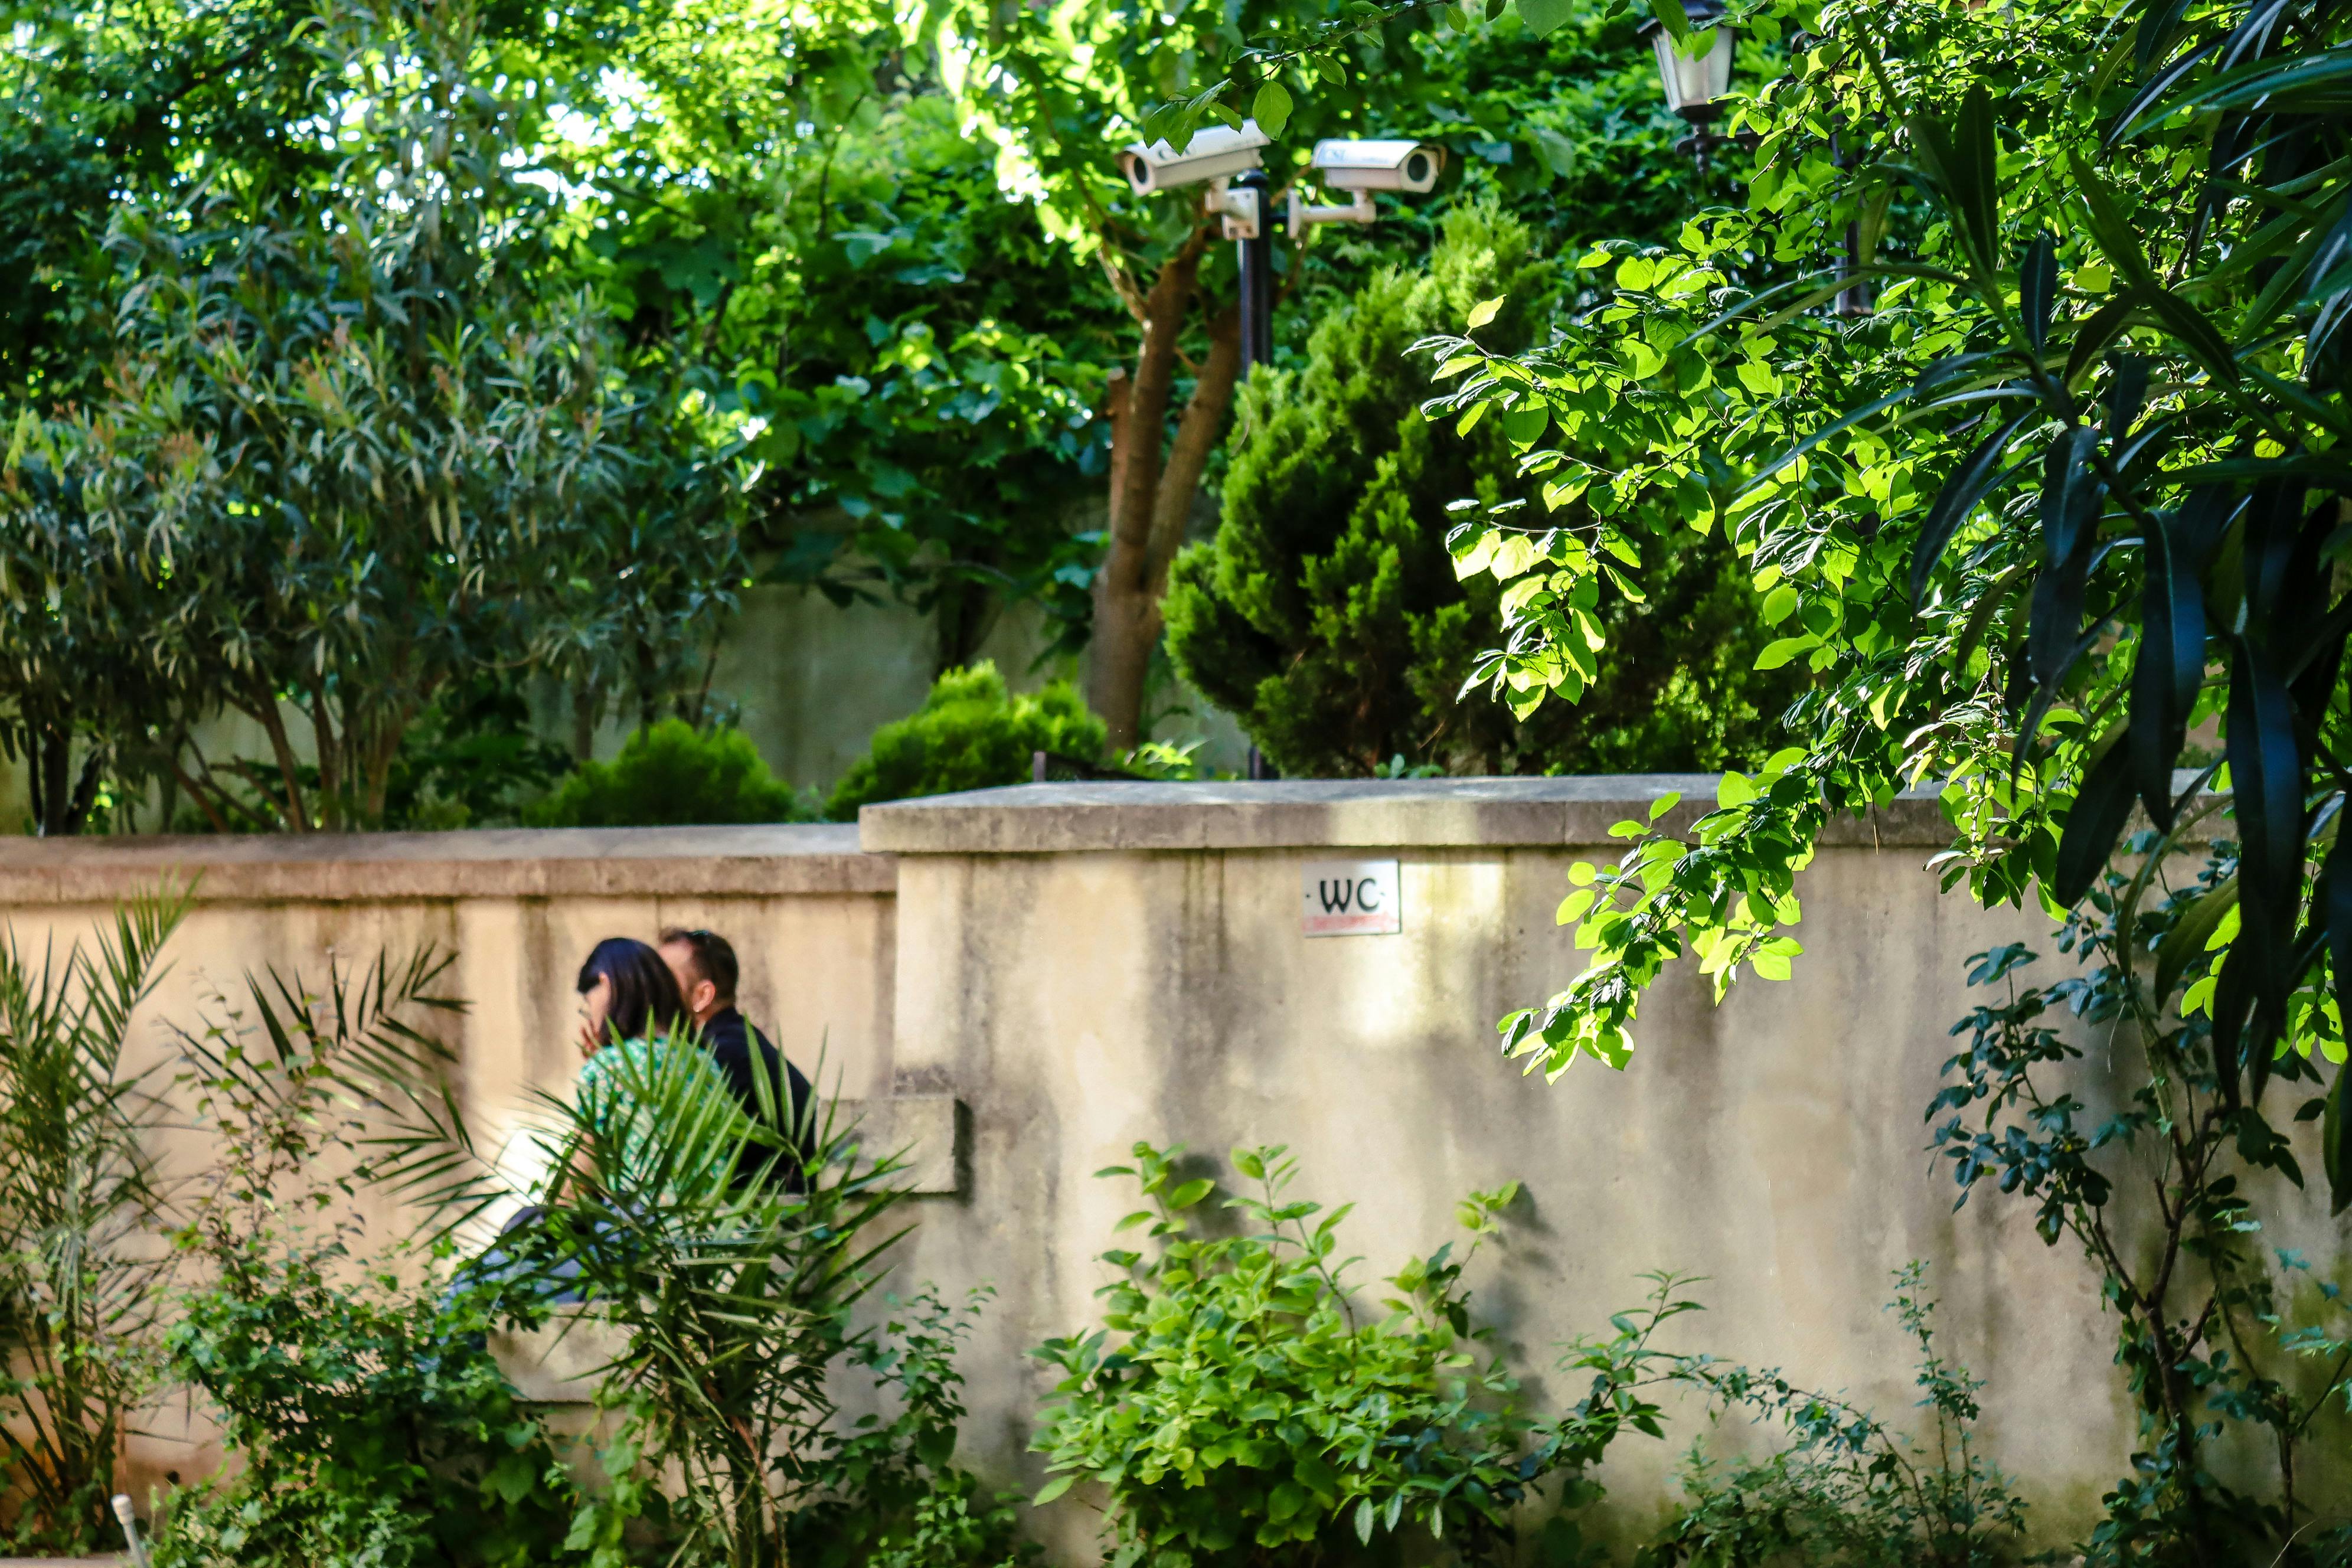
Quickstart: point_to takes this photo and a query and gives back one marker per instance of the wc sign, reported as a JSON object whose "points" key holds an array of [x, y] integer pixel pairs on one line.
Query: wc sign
{"points": [[1350, 898]]}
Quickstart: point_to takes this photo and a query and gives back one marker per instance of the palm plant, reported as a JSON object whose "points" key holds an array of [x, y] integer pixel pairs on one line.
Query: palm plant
{"points": [[727, 1253], [729, 1257], [340, 1087], [78, 1191]]}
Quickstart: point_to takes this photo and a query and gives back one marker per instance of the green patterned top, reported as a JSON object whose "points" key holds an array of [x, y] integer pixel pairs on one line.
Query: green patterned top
{"points": [[623, 1086]]}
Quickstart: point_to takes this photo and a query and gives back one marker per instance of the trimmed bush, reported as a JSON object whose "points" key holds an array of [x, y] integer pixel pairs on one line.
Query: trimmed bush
{"points": [[969, 733], [1325, 616], [672, 774]]}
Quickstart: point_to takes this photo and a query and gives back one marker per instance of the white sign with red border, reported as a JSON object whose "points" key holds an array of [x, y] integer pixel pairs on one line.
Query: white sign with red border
{"points": [[1350, 898]]}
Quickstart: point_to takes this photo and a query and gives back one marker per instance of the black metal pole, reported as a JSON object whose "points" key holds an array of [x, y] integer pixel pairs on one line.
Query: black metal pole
{"points": [[1255, 257], [1854, 300]]}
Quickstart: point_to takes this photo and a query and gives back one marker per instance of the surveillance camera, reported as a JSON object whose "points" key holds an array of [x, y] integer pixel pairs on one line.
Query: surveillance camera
{"points": [[1379, 166], [1214, 152]]}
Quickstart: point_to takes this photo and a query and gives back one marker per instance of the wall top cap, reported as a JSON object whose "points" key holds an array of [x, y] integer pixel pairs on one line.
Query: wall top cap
{"points": [[677, 862], [1301, 814]]}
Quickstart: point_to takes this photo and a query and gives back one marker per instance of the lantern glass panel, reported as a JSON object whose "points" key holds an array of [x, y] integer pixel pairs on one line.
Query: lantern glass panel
{"points": [[1694, 84]]}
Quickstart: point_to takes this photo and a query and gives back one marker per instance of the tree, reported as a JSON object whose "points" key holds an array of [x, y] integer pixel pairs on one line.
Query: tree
{"points": [[1059, 89], [2066, 499], [934, 389], [2069, 494], [363, 440], [87, 690], [781, 209], [98, 103], [1326, 612]]}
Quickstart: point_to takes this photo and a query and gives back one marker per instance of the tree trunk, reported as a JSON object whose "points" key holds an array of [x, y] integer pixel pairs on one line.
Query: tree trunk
{"points": [[587, 707], [331, 799], [264, 709], [1152, 490]]}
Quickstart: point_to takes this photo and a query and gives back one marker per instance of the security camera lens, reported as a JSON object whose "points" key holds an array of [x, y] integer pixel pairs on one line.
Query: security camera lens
{"points": [[1416, 167]]}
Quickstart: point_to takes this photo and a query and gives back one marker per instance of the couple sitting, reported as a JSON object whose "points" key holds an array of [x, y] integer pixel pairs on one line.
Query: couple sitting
{"points": [[637, 1001]]}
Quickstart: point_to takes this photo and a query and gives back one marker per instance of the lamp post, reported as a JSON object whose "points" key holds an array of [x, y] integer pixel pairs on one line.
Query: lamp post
{"points": [[1696, 86]]}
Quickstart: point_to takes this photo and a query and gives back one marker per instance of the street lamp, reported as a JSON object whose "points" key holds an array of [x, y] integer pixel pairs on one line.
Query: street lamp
{"points": [[1696, 85]]}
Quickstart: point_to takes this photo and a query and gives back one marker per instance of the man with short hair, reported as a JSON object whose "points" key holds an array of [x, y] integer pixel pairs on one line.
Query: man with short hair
{"points": [[706, 974]]}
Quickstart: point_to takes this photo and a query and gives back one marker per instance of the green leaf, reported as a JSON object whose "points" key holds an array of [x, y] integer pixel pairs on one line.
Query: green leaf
{"points": [[2096, 821], [2116, 238], [1191, 1192], [1543, 17], [1485, 312], [1777, 654], [2037, 286], [2186, 940], [1525, 425], [1556, 152], [1966, 485], [1365, 1516], [1673, 18], [1271, 107], [1051, 1490]]}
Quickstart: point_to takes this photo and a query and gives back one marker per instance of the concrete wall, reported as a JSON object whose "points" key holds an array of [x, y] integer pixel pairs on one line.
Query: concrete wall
{"points": [[1088, 966], [1084, 966], [811, 917]]}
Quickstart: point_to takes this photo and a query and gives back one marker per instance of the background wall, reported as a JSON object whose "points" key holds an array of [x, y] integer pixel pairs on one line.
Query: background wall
{"points": [[1084, 966], [809, 681]]}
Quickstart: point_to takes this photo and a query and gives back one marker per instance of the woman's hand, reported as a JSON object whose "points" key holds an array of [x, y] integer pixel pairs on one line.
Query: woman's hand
{"points": [[594, 1003]]}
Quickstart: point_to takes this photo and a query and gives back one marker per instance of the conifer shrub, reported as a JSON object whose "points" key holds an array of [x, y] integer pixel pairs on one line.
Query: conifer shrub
{"points": [[672, 774], [971, 732], [1325, 615]]}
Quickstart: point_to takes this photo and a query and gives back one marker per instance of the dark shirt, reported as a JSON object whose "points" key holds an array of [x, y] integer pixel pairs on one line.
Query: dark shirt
{"points": [[731, 1042]]}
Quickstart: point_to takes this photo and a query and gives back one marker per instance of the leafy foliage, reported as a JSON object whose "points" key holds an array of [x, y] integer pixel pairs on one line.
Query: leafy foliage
{"points": [[353, 1381], [2034, 604], [2162, 1196], [1245, 1411], [472, 759], [971, 732], [727, 1255], [360, 442], [79, 1194], [1848, 1489], [1326, 614], [931, 427], [373, 1424], [892, 1495], [672, 773]]}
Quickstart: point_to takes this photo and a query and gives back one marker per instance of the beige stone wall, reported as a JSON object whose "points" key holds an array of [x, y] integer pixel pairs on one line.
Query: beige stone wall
{"points": [[1084, 966], [1090, 967], [809, 915]]}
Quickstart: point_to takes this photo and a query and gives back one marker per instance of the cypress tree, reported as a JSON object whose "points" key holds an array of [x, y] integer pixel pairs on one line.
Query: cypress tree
{"points": [[1324, 613]]}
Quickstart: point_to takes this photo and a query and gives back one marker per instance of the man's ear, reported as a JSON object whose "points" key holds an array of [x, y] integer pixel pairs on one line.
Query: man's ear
{"points": [[703, 998]]}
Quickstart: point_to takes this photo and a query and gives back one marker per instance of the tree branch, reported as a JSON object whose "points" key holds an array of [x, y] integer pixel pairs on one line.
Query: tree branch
{"points": [[1196, 440]]}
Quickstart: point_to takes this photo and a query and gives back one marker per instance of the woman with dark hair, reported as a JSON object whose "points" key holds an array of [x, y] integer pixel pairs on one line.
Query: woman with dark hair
{"points": [[626, 993], [632, 1020], [639, 1037]]}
